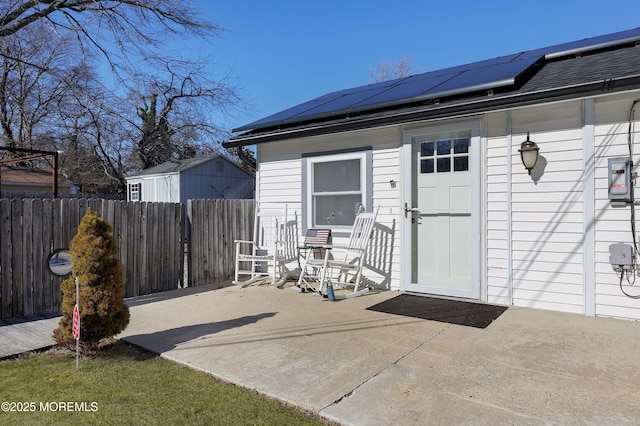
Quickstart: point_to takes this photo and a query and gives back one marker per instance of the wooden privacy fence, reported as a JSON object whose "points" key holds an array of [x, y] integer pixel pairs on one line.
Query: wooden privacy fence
{"points": [[213, 226], [148, 234], [151, 237]]}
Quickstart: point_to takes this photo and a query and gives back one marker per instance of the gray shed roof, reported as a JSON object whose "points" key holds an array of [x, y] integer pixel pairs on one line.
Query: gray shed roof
{"points": [[586, 67], [178, 166]]}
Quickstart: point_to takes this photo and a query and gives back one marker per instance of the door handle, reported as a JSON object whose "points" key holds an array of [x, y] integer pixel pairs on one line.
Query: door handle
{"points": [[408, 209]]}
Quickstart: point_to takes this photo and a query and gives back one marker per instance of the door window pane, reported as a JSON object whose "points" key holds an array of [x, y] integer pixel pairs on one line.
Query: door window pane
{"points": [[461, 164], [427, 149], [426, 166], [461, 146], [444, 165], [444, 147]]}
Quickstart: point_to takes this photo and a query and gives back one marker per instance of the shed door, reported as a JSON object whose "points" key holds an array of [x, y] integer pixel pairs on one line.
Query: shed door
{"points": [[442, 214]]}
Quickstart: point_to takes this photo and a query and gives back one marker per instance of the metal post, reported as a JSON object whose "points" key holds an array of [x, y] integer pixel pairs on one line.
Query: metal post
{"points": [[55, 175], [77, 340], [36, 153]]}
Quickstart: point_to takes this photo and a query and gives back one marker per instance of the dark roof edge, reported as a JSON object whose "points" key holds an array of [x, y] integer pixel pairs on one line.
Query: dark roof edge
{"points": [[596, 46], [484, 105]]}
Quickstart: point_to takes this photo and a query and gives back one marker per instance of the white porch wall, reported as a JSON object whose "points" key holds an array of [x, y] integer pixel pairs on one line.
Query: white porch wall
{"points": [[279, 182], [545, 243]]}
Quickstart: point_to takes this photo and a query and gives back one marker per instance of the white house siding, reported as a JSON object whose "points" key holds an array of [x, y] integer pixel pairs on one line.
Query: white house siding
{"points": [[536, 258], [612, 225], [386, 254], [279, 182], [497, 215], [536, 236]]}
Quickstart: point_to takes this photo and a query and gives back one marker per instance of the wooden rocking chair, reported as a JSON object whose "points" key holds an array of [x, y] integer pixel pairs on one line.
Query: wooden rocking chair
{"points": [[348, 260], [273, 246]]}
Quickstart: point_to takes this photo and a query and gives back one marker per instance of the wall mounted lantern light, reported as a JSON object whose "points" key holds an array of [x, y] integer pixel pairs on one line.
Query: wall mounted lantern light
{"points": [[529, 154]]}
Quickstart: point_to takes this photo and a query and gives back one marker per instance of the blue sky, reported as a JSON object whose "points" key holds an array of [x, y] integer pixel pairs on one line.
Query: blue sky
{"points": [[282, 53]]}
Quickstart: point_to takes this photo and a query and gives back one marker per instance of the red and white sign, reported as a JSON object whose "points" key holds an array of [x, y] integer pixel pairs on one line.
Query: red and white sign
{"points": [[75, 329]]}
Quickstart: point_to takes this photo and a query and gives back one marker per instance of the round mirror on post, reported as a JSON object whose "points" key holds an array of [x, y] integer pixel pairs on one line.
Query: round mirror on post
{"points": [[59, 262]]}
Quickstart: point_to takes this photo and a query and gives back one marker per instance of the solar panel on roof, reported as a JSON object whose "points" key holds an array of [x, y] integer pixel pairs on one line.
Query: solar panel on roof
{"points": [[411, 88], [592, 43], [425, 86], [489, 77], [366, 88], [282, 116], [478, 64], [342, 103], [375, 95], [328, 102], [407, 89], [491, 73], [487, 74]]}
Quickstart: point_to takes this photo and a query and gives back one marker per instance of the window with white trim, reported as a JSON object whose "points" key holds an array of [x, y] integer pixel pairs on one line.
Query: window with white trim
{"points": [[134, 191], [336, 186]]}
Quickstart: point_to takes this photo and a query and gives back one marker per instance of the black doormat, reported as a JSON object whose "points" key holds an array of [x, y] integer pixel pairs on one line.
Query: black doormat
{"points": [[443, 310]]}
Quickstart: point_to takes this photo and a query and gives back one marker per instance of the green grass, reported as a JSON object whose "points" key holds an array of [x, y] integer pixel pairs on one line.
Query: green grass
{"points": [[125, 386]]}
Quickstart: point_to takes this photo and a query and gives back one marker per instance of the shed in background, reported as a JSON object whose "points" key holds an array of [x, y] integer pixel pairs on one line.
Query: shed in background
{"points": [[177, 181]]}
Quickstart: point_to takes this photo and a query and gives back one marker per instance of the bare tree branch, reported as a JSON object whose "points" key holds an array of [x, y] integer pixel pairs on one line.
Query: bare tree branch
{"points": [[386, 70], [51, 97], [128, 25], [170, 13]]}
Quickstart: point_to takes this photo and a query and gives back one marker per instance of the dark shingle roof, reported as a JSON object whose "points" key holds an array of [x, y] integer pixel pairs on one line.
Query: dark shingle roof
{"points": [[596, 67]]}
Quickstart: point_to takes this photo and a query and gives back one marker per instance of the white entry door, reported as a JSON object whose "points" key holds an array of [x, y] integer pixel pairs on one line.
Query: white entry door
{"points": [[441, 213]]}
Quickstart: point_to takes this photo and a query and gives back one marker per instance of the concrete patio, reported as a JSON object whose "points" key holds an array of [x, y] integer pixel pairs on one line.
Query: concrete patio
{"points": [[27, 334], [360, 367]]}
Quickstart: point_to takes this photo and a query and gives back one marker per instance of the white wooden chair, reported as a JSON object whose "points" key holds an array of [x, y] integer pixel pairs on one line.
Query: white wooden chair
{"points": [[342, 264], [274, 245]]}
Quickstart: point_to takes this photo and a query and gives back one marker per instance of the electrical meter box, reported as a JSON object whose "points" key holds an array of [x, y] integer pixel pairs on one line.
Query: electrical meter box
{"points": [[620, 179], [621, 255]]}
